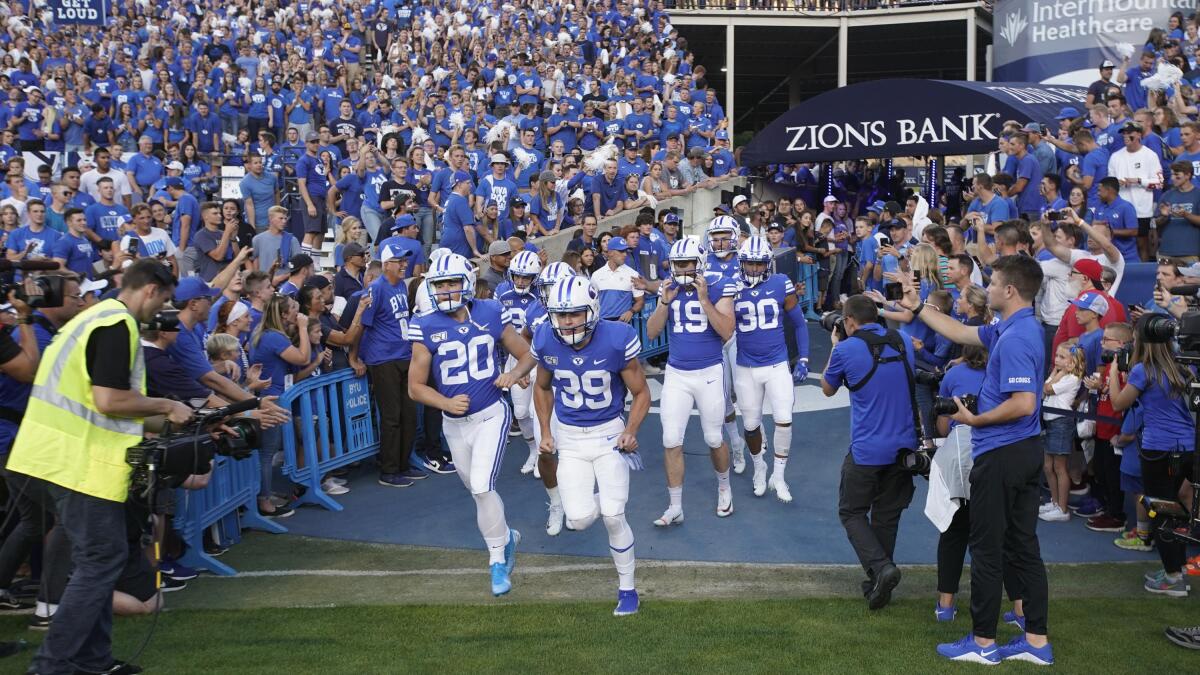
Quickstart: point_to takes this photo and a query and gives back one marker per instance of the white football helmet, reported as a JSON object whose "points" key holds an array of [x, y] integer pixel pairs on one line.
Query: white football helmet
{"points": [[525, 267], [448, 268], [551, 274], [756, 250], [572, 295], [684, 251], [721, 245]]}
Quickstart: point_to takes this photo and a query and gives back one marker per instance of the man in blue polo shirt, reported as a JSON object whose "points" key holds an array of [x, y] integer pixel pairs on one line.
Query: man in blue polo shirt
{"points": [[873, 483], [1120, 216], [1007, 475], [193, 299], [458, 226], [406, 232], [605, 189]]}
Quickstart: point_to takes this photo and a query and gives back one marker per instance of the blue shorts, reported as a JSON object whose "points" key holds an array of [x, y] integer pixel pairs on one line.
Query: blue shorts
{"points": [[1060, 436], [1132, 484]]}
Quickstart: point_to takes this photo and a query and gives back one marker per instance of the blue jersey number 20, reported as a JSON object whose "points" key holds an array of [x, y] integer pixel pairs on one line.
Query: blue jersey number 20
{"points": [[474, 360]]}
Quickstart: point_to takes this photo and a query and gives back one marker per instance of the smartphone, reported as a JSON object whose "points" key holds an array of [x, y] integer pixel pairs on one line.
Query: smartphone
{"points": [[916, 277], [132, 248], [893, 292]]}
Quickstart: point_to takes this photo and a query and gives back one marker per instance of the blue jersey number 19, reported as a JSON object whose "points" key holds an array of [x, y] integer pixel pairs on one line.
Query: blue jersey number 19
{"points": [[688, 317]]}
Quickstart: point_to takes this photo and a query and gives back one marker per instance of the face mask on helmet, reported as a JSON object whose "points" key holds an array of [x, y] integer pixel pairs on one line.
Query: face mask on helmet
{"points": [[449, 293], [754, 270], [523, 283], [684, 271], [573, 327], [721, 243]]}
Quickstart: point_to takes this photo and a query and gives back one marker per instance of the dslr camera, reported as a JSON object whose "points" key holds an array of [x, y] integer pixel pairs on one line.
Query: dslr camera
{"points": [[945, 405], [835, 323], [1121, 356]]}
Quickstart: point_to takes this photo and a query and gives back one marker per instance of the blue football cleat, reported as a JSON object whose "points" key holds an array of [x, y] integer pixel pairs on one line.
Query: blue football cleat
{"points": [[627, 603], [968, 650], [501, 584], [1020, 650], [510, 551], [944, 613], [1011, 618]]}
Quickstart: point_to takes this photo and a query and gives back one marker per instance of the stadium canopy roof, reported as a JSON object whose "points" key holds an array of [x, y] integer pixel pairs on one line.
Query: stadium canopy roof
{"points": [[905, 118]]}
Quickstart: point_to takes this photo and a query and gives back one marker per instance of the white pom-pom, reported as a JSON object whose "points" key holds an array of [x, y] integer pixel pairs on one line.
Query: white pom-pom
{"points": [[456, 120], [564, 38], [440, 74], [429, 33], [508, 7], [494, 23], [549, 43], [500, 74], [419, 136], [638, 11], [484, 13], [460, 18], [541, 13], [512, 79], [524, 158], [1123, 49], [668, 53], [668, 29], [647, 28], [594, 161], [424, 82], [1165, 77], [502, 131], [558, 73], [668, 78]]}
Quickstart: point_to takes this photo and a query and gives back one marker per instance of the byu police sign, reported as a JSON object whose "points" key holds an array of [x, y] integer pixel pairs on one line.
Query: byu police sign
{"points": [[88, 12], [903, 118]]}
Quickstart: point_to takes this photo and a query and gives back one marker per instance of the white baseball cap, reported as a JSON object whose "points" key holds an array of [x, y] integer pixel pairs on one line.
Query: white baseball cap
{"points": [[738, 200]]}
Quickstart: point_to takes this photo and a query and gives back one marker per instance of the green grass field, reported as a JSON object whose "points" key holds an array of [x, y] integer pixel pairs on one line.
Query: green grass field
{"points": [[427, 610]]}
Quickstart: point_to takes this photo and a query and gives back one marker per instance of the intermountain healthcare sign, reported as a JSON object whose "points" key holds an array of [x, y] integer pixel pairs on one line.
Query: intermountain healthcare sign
{"points": [[1064, 41], [903, 118], [87, 12]]}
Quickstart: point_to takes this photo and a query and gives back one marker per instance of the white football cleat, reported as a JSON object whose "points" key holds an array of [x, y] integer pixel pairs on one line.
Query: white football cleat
{"points": [[724, 503], [529, 466], [781, 489], [737, 457], [554, 520], [669, 517], [760, 478]]}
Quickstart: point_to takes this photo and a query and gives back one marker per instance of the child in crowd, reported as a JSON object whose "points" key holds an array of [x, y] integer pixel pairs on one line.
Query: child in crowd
{"points": [[1060, 390], [1129, 444]]}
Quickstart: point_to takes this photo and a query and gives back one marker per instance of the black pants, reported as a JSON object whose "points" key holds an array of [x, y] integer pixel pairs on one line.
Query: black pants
{"points": [[870, 501], [397, 415], [1005, 485], [34, 521], [1106, 466], [80, 636], [1162, 476], [952, 552]]}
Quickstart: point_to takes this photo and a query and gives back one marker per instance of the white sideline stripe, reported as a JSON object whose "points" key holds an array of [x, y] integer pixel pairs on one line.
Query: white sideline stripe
{"points": [[587, 567]]}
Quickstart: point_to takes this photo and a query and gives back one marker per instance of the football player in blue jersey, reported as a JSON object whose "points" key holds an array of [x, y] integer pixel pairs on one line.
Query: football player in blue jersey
{"points": [[459, 343], [547, 463], [587, 365], [697, 307], [760, 372], [722, 241], [515, 294]]}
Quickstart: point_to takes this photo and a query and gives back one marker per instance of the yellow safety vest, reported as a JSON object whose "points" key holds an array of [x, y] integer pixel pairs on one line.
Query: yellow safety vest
{"points": [[63, 438]]}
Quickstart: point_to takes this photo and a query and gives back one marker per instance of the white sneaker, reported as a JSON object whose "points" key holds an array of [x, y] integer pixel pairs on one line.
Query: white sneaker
{"points": [[331, 488], [1046, 507], [336, 481], [537, 471], [760, 476], [671, 516], [724, 503], [554, 520], [781, 489], [1055, 515], [650, 370], [529, 465], [738, 458]]}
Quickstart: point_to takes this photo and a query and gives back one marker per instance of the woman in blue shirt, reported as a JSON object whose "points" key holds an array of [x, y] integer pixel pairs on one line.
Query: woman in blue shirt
{"points": [[280, 359], [198, 172], [1160, 385], [128, 127], [257, 113]]}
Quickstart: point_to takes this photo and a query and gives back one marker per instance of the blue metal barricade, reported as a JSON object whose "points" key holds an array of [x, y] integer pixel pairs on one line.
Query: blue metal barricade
{"points": [[232, 486], [649, 347], [809, 300], [334, 418]]}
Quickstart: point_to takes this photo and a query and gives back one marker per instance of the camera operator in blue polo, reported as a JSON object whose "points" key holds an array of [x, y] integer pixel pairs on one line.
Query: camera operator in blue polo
{"points": [[877, 474], [1006, 478]]}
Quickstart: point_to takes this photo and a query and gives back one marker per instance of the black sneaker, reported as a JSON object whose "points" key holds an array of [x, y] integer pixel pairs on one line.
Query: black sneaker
{"points": [[214, 550], [10, 603], [881, 592], [1188, 638], [437, 465], [120, 668], [25, 589], [170, 585], [39, 622], [279, 512]]}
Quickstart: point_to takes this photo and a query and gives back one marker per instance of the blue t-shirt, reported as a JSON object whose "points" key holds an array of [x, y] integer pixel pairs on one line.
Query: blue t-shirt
{"points": [[1016, 363], [759, 315], [269, 352], [14, 395], [1120, 215], [1094, 164], [1029, 200], [186, 206], [261, 191], [466, 355], [610, 193], [385, 324], [1169, 424], [457, 218], [587, 384], [695, 343], [188, 351], [501, 191], [1131, 424], [959, 380], [40, 244], [312, 170], [78, 252], [881, 418]]}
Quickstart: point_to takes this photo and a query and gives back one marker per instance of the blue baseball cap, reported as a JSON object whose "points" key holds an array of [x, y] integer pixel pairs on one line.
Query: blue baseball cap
{"points": [[1092, 302], [722, 135], [174, 182], [876, 207], [403, 221], [460, 176], [670, 218], [190, 288], [617, 244], [1068, 113]]}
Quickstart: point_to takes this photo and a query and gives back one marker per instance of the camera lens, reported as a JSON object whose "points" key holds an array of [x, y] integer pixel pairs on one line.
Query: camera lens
{"points": [[1157, 328]]}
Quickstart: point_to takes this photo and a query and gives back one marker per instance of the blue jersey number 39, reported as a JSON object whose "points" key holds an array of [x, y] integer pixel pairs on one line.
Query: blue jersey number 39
{"points": [[591, 389]]}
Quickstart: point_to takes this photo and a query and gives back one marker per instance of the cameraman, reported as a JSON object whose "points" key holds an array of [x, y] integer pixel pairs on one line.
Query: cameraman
{"points": [[875, 489], [1008, 453], [14, 395], [86, 409]]}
